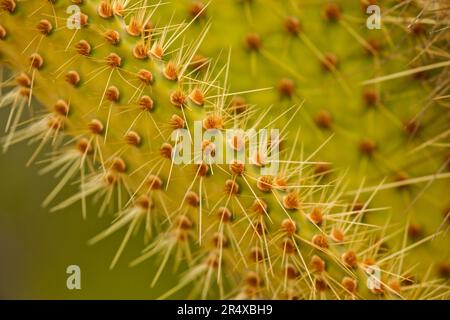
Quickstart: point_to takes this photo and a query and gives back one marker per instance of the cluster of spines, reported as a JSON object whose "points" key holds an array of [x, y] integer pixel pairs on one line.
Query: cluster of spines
{"points": [[260, 219]]}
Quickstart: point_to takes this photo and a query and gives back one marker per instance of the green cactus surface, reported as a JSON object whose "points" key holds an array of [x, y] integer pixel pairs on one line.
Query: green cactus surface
{"points": [[362, 179]]}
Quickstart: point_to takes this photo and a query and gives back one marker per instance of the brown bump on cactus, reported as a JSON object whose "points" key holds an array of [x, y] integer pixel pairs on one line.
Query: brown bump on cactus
{"points": [[411, 126], [252, 280], [256, 254], [288, 246], [286, 88], [202, 169], [415, 231], [349, 259], [44, 26], [8, 5], [291, 201], [112, 94], [367, 147], [280, 183], [36, 60], [25, 92], [184, 223], [288, 226], [238, 104], [264, 183], [176, 122], [132, 138], [368, 262], [349, 284], [145, 76], [61, 107], [197, 9], [224, 214], [259, 206], [417, 28], [231, 187], [320, 240], [192, 199], [358, 206], [337, 235], [154, 182], [95, 126], [118, 165], [118, 8], [253, 41], [84, 19], [317, 264], [83, 48], [197, 96], [171, 70], [113, 60], [178, 99], [322, 169], [219, 240], [3, 32], [22, 79], [166, 150], [443, 269], [110, 179], [408, 280], [320, 284], [332, 12], [260, 228], [292, 25], [212, 121], [371, 98], [112, 36], [55, 123], [329, 61], [395, 286], [400, 177], [144, 202], [105, 9], [83, 146], [157, 51], [291, 272], [316, 216], [199, 62], [323, 119], [147, 30], [145, 103], [72, 77], [140, 51], [134, 27]]}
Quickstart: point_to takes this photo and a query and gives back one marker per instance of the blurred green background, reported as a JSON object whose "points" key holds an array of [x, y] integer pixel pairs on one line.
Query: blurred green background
{"points": [[37, 246]]}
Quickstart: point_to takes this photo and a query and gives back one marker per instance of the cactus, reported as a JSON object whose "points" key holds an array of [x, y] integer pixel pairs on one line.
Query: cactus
{"points": [[382, 93], [115, 91]]}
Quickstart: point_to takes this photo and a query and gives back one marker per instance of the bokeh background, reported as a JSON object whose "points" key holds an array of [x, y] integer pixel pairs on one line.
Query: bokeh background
{"points": [[36, 246]]}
